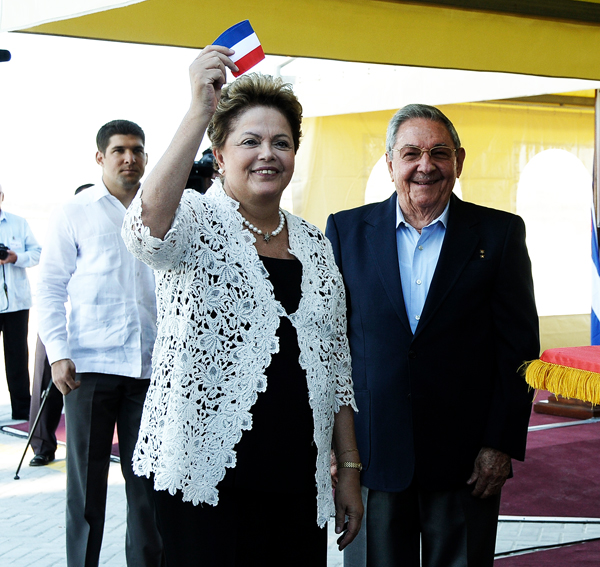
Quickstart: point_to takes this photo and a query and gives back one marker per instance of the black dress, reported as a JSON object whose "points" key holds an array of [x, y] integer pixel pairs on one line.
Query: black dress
{"points": [[267, 508]]}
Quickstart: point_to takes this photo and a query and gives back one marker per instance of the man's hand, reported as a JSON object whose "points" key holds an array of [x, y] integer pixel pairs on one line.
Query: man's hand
{"points": [[10, 259], [63, 376], [490, 472]]}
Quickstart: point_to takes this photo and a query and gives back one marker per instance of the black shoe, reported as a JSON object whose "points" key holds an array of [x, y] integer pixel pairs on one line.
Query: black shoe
{"points": [[41, 460]]}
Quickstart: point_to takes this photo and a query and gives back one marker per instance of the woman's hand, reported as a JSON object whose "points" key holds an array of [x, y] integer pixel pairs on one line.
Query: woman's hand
{"points": [[348, 501], [208, 74], [348, 504]]}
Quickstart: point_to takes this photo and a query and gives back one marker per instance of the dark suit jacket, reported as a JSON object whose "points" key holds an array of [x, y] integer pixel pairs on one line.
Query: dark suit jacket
{"points": [[429, 402]]}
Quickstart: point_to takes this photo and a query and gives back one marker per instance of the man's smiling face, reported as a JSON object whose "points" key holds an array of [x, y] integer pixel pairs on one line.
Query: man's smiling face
{"points": [[424, 185]]}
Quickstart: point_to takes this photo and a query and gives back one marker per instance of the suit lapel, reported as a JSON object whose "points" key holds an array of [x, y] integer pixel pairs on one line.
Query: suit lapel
{"points": [[459, 244], [380, 234]]}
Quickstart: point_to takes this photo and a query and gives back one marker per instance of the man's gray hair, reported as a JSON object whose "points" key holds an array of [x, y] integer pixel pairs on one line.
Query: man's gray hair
{"points": [[411, 111]]}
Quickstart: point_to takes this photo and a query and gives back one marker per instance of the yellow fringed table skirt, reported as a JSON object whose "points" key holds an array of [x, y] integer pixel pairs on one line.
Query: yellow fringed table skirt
{"points": [[571, 372]]}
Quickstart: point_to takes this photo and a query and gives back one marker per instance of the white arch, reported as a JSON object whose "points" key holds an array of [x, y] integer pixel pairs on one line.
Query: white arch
{"points": [[554, 198]]}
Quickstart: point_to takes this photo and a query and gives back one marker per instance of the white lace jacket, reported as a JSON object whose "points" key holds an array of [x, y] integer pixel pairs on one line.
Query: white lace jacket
{"points": [[217, 318]]}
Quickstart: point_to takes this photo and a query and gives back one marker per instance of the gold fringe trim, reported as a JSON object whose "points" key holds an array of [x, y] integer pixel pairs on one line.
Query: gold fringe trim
{"points": [[564, 381]]}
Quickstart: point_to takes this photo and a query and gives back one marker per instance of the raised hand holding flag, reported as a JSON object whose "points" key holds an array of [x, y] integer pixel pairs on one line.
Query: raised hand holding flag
{"points": [[244, 41]]}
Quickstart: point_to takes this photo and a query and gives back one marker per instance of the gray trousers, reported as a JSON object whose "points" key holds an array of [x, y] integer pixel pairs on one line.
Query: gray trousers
{"points": [[91, 413], [432, 529], [43, 440]]}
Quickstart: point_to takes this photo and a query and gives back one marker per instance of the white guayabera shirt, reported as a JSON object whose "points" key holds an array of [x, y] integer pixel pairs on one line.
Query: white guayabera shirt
{"points": [[112, 323]]}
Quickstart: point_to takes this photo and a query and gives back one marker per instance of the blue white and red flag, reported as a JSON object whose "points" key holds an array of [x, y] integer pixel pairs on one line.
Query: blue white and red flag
{"points": [[242, 39], [595, 322]]}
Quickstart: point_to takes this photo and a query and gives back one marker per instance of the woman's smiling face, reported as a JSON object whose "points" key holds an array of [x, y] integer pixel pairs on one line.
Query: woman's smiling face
{"points": [[258, 156]]}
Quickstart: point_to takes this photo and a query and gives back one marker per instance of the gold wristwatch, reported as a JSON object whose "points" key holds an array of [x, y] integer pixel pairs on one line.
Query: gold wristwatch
{"points": [[350, 465]]}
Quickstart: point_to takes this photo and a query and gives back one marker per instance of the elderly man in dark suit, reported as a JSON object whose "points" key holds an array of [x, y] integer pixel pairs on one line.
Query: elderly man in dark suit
{"points": [[441, 315]]}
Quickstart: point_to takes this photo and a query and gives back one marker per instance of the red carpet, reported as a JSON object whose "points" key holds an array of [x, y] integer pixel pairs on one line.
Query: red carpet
{"points": [[560, 475], [578, 555], [61, 433]]}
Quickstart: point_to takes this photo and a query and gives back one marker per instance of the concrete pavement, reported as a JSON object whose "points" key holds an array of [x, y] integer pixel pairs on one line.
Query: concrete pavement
{"points": [[32, 510]]}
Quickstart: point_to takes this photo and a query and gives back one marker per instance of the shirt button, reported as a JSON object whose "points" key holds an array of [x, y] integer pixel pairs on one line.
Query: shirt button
{"points": [[420, 248], [418, 317], [419, 282]]}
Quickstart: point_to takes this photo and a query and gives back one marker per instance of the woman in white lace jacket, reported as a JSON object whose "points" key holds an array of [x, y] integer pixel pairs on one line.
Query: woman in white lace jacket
{"points": [[251, 384]]}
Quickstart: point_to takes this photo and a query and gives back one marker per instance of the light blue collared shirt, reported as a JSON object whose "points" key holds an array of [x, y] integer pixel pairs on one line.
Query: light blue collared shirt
{"points": [[418, 256], [15, 294]]}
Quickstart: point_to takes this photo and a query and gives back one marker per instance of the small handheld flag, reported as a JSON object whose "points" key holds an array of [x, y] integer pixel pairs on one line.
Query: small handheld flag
{"points": [[242, 39]]}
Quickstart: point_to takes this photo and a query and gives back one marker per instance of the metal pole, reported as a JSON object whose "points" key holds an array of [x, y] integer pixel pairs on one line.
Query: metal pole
{"points": [[45, 394], [596, 187]]}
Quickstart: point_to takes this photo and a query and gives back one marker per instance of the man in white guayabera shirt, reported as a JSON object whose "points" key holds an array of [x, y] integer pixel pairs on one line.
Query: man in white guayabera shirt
{"points": [[101, 357]]}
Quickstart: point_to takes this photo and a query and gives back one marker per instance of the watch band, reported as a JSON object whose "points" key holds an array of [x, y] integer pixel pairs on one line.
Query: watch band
{"points": [[350, 465]]}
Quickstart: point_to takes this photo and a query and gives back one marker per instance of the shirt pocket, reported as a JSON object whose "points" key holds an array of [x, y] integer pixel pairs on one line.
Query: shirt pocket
{"points": [[15, 244], [99, 254], [102, 326]]}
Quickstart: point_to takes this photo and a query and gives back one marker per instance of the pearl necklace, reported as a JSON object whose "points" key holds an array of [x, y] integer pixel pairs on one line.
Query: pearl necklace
{"points": [[267, 235]]}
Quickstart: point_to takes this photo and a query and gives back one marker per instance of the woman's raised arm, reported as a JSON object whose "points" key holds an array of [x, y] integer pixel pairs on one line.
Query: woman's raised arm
{"points": [[164, 186]]}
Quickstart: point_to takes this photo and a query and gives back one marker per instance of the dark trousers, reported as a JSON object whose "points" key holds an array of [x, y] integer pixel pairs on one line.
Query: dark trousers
{"points": [[441, 529], [43, 440], [14, 328], [91, 413], [247, 528]]}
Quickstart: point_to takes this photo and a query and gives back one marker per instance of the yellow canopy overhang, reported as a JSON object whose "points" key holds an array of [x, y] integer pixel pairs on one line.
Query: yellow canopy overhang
{"points": [[556, 38]]}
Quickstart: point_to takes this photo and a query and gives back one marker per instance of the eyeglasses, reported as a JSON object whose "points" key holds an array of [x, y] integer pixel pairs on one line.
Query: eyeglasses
{"points": [[415, 153]]}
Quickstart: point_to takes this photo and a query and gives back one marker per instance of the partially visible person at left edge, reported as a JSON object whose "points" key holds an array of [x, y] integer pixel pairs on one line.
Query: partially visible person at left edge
{"points": [[18, 250]]}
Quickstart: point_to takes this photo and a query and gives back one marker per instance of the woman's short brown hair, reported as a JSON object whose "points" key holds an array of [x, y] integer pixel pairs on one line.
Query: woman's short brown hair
{"points": [[248, 92]]}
